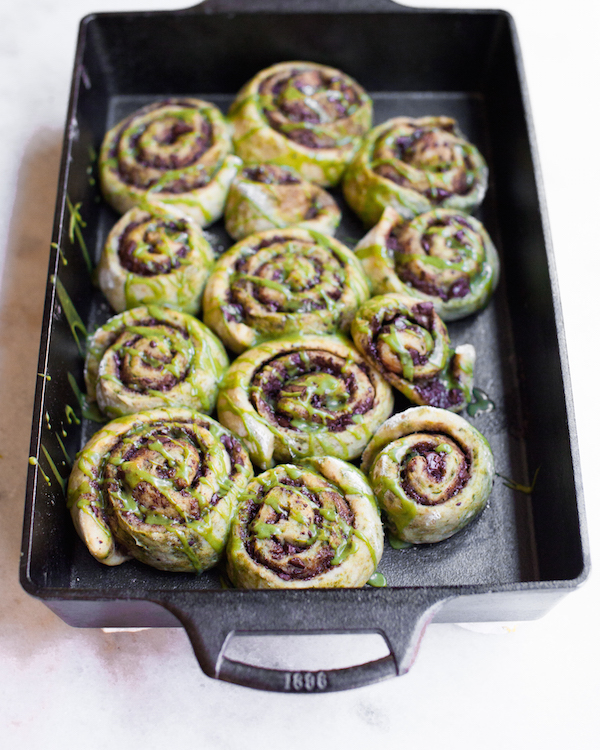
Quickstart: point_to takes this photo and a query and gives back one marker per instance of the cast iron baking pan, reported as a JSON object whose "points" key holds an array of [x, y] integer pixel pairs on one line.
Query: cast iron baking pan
{"points": [[528, 549]]}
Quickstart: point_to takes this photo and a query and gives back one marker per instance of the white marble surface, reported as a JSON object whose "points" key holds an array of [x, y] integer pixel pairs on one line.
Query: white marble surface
{"points": [[523, 685]]}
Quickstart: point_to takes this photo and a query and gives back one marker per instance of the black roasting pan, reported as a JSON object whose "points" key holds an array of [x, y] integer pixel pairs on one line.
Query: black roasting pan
{"points": [[528, 549]]}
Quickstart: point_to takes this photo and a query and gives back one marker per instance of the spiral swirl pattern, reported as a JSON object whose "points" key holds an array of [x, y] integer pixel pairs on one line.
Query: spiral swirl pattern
{"points": [[308, 116], [160, 486], [444, 257], [409, 344], [414, 165], [150, 357], [177, 152], [155, 256], [281, 282], [311, 525], [268, 196], [303, 396], [431, 471]]}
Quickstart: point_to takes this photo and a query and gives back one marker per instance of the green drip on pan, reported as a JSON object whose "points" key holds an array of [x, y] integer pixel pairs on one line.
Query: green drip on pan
{"points": [[73, 318], [75, 225]]}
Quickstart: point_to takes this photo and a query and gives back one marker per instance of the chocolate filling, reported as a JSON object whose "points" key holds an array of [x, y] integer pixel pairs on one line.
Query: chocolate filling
{"points": [[172, 161], [407, 148], [312, 211], [393, 241], [390, 173], [287, 110], [240, 288], [459, 288], [162, 264], [436, 195], [434, 393], [421, 313], [287, 560], [270, 174], [436, 468], [144, 492], [265, 396], [162, 380]]}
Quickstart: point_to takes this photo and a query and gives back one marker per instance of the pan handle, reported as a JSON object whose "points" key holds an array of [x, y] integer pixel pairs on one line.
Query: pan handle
{"points": [[290, 6], [302, 681], [211, 623]]}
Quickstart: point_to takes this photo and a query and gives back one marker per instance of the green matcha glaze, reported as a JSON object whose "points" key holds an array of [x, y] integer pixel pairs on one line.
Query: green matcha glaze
{"points": [[481, 403], [443, 256], [314, 524], [76, 325], [431, 472], [53, 467], [301, 396], [76, 224], [150, 357], [34, 462], [155, 255], [67, 461], [161, 486], [378, 580], [302, 115], [413, 166], [408, 343], [88, 410], [175, 152], [280, 282]]}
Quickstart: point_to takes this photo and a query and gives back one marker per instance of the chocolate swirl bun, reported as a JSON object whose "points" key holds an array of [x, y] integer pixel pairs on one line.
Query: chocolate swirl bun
{"points": [[431, 471], [155, 255], [443, 256], [150, 357], [268, 196], [311, 525], [161, 486], [308, 116], [409, 344], [414, 166], [303, 396], [281, 282], [177, 152]]}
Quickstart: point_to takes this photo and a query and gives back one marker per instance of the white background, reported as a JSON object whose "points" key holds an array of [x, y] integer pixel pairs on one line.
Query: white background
{"points": [[528, 685]]}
